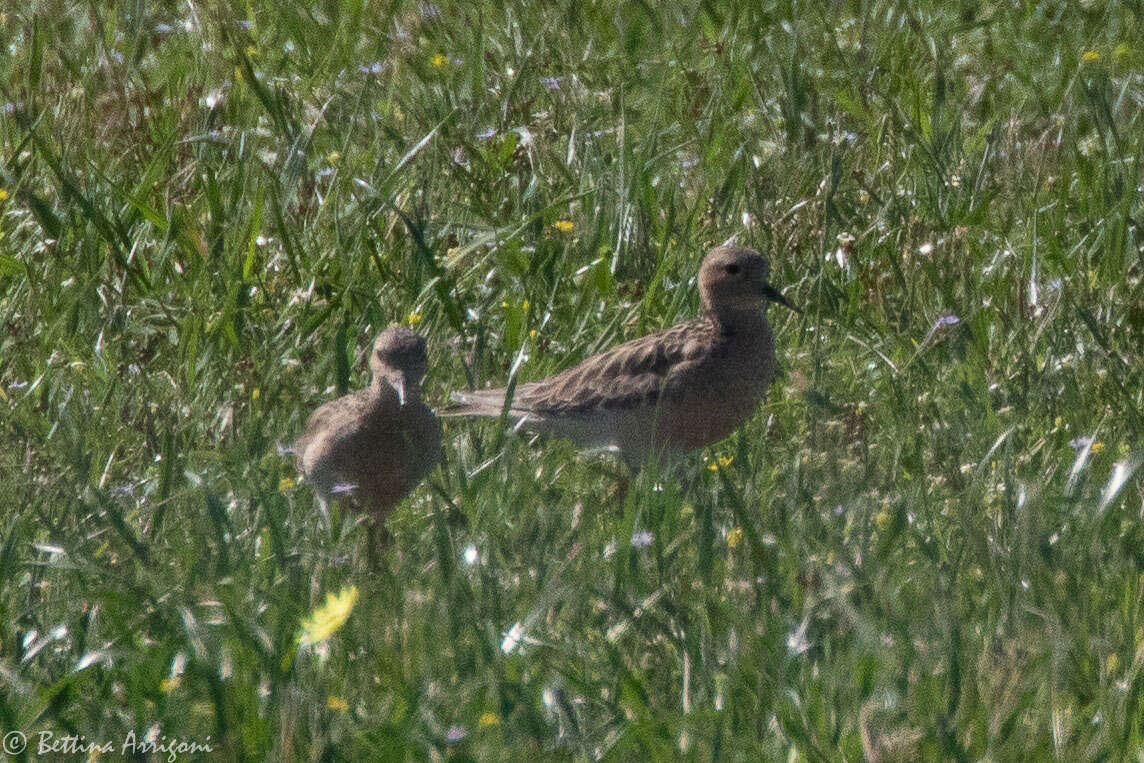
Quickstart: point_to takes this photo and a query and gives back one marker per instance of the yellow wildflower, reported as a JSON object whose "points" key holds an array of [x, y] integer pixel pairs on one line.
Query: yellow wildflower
{"points": [[285, 484], [1111, 663], [1090, 56], [251, 51], [337, 703], [720, 461], [327, 619], [489, 719], [564, 226], [532, 333], [1096, 447], [255, 393], [3, 195], [333, 157], [168, 685], [734, 536], [439, 60], [414, 318]]}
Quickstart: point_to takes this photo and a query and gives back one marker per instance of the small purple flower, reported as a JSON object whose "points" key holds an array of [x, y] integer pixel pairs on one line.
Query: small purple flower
{"points": [[839, 509], [1080, 442], [486, 133], [244, 24], [948, 320], [642, 538], [343, 488], [162, 28], [430, 11], [552, 83], [455, 733]]}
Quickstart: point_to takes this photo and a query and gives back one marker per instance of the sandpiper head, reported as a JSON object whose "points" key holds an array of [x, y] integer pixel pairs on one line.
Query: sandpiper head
{"points": [[399, 358], [735, 279]]}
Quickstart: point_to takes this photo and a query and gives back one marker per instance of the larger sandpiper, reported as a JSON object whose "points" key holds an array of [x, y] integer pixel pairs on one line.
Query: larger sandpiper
{"points": [[668, 393], [374, 446]]}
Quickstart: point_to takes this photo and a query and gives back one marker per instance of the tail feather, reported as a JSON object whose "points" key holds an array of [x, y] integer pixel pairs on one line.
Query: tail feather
{"points": [[481, 402]]}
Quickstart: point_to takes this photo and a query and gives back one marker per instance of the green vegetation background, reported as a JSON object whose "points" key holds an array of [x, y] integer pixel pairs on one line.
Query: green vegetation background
{"points": [[927, 544]]}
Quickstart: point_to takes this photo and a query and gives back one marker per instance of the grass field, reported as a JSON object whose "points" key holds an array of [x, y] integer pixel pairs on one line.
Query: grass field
{"points": [[927, 544]]}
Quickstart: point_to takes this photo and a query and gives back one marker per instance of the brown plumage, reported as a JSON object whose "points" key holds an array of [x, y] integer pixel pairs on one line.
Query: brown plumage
{"points": [[375, 445], [666, 393]]}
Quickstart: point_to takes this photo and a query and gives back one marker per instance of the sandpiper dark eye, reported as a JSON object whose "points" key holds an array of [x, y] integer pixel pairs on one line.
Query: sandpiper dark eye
{"points": [[733, 269]]}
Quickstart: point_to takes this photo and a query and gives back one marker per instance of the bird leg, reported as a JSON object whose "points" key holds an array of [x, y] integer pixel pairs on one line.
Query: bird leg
{"points": [[620, 494], [378, 539]]}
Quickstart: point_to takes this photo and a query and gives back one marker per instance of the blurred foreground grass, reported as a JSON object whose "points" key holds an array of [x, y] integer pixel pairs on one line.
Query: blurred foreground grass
{"points": [[928, 544]]}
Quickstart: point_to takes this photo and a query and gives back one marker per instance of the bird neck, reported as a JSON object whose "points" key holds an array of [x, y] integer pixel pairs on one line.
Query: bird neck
{"points": [[737, 319]]}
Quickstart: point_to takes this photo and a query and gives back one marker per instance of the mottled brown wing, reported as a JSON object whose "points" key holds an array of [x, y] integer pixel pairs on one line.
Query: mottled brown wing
{"points": [[318, 422], [331, 419], [626, 376]]}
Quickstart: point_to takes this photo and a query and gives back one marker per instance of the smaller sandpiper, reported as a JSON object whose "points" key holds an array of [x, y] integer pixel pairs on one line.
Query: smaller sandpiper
{"points": [[373, 447]]}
